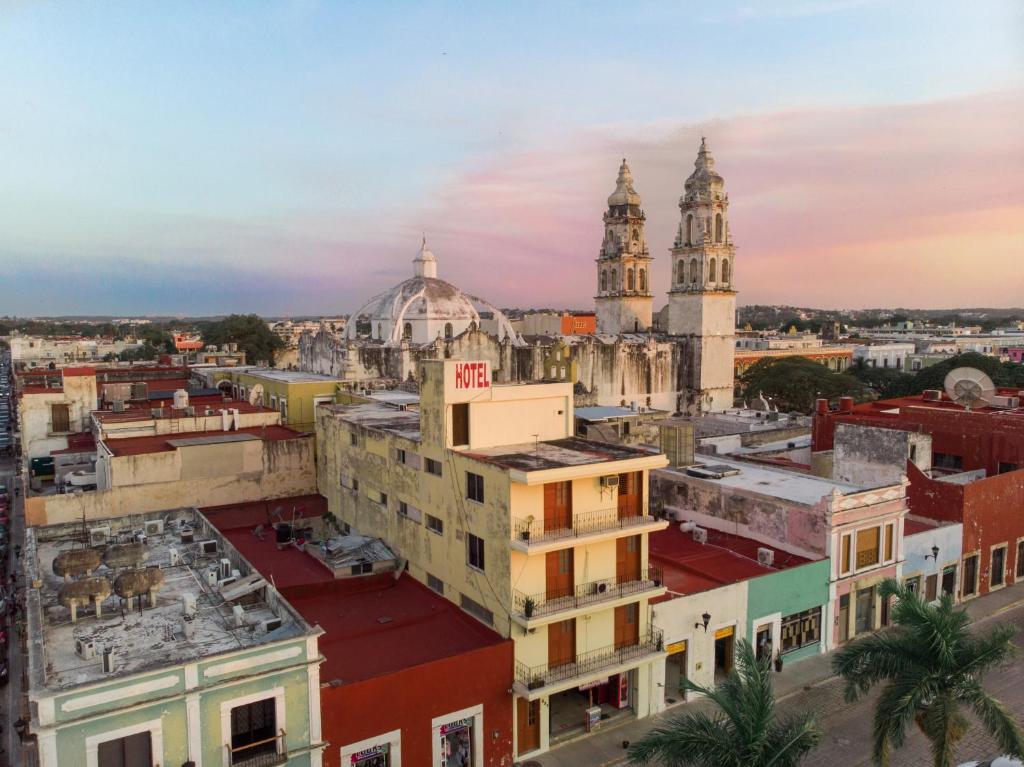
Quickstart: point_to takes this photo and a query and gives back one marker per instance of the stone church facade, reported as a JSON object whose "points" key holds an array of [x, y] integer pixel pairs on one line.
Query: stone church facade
{"points": [[686, 366]]}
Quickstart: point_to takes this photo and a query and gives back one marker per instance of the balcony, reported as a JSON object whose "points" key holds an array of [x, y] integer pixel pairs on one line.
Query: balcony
{"points": [[534, 608], [594, 663], [542, 534], [263, 753]]}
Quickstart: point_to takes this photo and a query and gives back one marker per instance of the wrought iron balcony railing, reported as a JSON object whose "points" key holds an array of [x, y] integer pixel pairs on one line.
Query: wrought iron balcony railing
{"points": [[583, 594], [534, 677], [555, 528], [268, 752]]}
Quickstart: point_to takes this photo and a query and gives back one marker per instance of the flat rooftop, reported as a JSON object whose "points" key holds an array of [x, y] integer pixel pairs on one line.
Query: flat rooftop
{"points": [[153, 637], [167, 442], [374, 624], [287, 376], [145, 412], [778, 483], [607, 413], [405, 423], [690, 567], [555, 454]]}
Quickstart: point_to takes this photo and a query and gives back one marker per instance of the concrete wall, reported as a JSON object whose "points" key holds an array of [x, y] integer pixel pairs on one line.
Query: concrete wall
{"points": [[868, 456]]}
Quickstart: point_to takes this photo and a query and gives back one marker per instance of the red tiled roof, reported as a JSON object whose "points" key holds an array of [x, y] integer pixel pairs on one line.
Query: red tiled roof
{"points": [[689, 567], [161, 443], [143, 412], [42, 390]]}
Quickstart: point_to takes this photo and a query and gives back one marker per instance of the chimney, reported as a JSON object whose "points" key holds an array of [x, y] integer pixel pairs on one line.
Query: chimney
{"points": [[821, 406], [846, 404]]}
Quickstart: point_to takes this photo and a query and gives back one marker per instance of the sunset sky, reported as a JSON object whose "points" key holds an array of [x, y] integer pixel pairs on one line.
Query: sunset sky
{"points": [[284, 158]]}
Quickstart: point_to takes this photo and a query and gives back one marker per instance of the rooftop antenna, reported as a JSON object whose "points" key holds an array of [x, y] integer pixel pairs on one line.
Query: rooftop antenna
{"points": [[969, 387]]}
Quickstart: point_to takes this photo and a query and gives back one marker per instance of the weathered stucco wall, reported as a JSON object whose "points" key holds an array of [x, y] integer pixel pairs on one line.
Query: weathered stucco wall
{"points": [[867, 456]]}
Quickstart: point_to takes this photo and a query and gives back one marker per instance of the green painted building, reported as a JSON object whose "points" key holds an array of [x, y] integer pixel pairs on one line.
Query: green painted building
{"points": [[164, 652], [787, 609]]}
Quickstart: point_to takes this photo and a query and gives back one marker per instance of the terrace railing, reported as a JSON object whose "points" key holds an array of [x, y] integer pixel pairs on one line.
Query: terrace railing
{"points": [[268, 752], [534, 677], [583, 594], [587, 523]]}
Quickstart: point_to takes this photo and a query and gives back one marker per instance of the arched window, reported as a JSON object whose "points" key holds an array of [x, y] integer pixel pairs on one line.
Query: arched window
{"points": [[636, 234], [689, 230], [629, 279], [615, 280], [681, 277], [407, 331], [725, 270], [604, 280], [643, 280], [448, 330], [694, 273], [719, 227], [380, 332], [712, 270], [707, 227]]}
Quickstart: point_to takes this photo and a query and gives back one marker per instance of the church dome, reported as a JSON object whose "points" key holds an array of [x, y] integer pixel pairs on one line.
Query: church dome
{"points": [[704, 174], [423, 308], [624, 193]]}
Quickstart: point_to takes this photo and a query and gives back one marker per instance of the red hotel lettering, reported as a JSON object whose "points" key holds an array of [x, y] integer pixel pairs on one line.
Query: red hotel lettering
{"points": [[471, 375]]}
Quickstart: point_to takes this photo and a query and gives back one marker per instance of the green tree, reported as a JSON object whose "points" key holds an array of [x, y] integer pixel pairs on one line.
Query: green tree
{"points": [[885, 382], [932, 666], [744, 732], [793, 383], [249, 331]]}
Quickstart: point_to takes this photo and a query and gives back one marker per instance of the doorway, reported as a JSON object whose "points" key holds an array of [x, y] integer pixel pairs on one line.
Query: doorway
{"points": [[568, 710], [763, 642], [627, 559], [724, 649], [675, 673], [560, 588], [557, 506], [864, 619], [844, 617], [460, 424], [631, 495], [527, 725], [561, 643], [627, 625]]}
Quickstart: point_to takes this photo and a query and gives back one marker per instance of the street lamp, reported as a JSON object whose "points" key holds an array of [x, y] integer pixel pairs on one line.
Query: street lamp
{"points": [[934, 555], [707, 619]]}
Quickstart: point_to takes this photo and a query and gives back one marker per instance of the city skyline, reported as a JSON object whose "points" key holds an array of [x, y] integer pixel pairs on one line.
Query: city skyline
{"points": [[282, 161]]}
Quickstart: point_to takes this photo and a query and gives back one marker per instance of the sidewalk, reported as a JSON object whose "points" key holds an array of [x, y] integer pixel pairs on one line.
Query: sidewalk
{"points": [[604, 748]]}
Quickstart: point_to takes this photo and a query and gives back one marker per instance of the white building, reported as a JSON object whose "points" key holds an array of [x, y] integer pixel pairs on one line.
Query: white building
{"points": [[884, 355]]}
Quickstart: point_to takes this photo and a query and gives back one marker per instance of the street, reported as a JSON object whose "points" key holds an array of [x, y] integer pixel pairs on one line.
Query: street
{"points": [[14, 702]]}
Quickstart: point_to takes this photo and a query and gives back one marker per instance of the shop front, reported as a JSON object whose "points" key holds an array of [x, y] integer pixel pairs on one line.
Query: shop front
{"points": [[590, 706]]}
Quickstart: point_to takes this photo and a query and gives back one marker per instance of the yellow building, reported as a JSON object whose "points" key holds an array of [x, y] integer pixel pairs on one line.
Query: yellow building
{"points": [[539, 534], [292, 393]]}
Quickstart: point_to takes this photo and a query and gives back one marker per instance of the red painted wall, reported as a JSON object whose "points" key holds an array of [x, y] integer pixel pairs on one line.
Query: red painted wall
{"points": [[409, 700], [579, 324]]}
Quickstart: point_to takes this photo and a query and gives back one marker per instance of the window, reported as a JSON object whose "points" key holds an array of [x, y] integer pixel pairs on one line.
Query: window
{"points": [[383, 498], [284, 409], [643, 280], [1006, 467], [410, 512], [435, 583], [253, 730], [998, 568], [615, 280], [273, 402], [845, 547], [407, 331], [946, 461], [931, 585], [131, 751], [689, 230], [449, 331], [889, 541], [432, 467], [636, 234], [867, 547], [460, 423], [474, 487], [719, 227], [801, 629], [712, 270], [604, 280], [477, 610], [970, 585], [913, 584], [693, 271], [60, 418], [435, 525], [681, 277], [629, 279], [363, 568], [475, 551], [949, 580], [400, 455], [353, 438], [725, 270]]}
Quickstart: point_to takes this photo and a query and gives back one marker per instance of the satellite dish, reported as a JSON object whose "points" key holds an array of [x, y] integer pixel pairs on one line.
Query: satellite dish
{"points": [[256, 395], [969, 387]]}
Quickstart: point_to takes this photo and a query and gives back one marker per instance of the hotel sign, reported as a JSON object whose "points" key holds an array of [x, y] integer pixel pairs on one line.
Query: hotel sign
{"points": [[472, 375], [467, 380]]}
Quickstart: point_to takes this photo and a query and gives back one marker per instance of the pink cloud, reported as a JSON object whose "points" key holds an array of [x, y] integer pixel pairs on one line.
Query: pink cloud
{"points": [[910, 205]]}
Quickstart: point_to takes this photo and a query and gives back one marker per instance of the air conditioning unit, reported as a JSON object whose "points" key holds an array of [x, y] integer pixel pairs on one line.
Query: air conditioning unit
{"points": [[109, 660], [173, 556], [268, 625], [1005, 402], [225, 582], [154, 527], [85, 649], [225, 568], [208, 547], [601, 587], [611, 480], [765, 557], [239, 614], [99, 536], [700, 535]]}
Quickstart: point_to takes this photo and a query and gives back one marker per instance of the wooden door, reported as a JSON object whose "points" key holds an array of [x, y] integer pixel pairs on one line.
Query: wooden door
{"points": [[460, 423], [560, 583], [60, 416], [527, 725], [561, 643], [631, 494], [558, 506], [627, 559], [627, 625]]}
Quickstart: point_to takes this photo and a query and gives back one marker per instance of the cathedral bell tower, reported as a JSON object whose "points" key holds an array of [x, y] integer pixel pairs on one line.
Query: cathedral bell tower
{"points": [[624, 299], [702, 301]]}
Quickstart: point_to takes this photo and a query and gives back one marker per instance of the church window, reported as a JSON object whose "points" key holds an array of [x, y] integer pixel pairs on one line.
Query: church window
{"points": [[725, 270], [629, 279], [604, 280], [448, 330], [636, 234], [694, 272], [615, 280], [707, 226], [380, 332], [643, 280], [689, 231], [407, 331], [712, 270], [719, 227], [681, 277]]}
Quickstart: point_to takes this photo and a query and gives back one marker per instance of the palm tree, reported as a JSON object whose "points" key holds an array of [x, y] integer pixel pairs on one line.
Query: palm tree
{"points": [[933, 666], [743, 733]]}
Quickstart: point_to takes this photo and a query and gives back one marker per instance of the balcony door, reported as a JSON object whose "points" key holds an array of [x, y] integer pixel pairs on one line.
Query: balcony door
{"points": [[627, 559], [560, 583], [627, 625], [561, 643], [631, 494], [558, 506]]}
